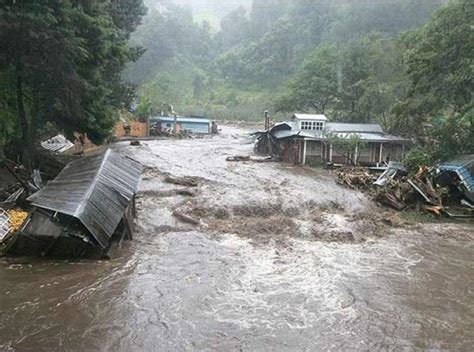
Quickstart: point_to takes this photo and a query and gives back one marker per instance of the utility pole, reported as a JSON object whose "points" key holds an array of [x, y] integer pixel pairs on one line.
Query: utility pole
{"points": [[267, 120]]}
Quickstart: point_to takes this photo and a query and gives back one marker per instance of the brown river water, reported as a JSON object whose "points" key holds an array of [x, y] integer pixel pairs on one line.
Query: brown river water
{"points": [[284, 259]]}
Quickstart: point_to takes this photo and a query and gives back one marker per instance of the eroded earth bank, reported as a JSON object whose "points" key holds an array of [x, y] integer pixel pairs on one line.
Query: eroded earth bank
{"points": [[282, 259]]}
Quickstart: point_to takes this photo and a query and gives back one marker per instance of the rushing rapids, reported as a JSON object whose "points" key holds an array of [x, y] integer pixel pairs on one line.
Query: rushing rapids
{"points": [[237, 281]]}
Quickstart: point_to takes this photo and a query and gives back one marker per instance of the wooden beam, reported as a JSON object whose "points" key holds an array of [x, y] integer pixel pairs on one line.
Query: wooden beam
{"points": [[356, 154], [304, 152], [381, 153]]}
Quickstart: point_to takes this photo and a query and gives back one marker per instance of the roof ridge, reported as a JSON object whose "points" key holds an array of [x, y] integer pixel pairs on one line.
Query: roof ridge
{"points": [[86, 197]]}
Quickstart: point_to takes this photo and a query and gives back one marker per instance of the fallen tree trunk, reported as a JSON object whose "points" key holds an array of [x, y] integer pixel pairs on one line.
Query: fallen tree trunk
{"points": [[238, 158], [182, 181], [185, 218]]}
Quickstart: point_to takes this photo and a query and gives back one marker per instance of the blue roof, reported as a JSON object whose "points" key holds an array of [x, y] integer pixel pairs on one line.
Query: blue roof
{"points": [[463, 173], [180, 119]]}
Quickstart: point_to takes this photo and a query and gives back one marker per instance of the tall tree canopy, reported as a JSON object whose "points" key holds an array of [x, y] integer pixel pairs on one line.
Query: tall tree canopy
{"points": [[439, 60], [62, 63]]}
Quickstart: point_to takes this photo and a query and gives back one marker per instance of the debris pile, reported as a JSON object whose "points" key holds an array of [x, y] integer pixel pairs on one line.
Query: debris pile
{"points": [[21, 183], [86, 211], [17, 218], [241, 158], [5, 227], [446, 190], [182, 181]]}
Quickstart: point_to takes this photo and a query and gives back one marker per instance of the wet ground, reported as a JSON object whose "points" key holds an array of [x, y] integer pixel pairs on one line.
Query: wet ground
{"points": [[282, 259]]}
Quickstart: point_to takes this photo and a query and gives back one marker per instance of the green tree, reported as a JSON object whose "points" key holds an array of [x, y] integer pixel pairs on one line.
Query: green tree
{"points": [[440, 66], [315, 86], [359, 82], [62, 61]]}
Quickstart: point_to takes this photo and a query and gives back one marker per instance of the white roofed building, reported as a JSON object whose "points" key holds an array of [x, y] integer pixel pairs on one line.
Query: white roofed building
{"points": [[312, 139]]}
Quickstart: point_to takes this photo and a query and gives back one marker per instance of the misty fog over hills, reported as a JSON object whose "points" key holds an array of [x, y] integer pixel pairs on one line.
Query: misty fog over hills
{"points": [[217, 7]]}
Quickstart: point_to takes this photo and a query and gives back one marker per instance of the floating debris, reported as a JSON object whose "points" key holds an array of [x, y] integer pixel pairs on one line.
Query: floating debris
{"points": [[182, 181]]}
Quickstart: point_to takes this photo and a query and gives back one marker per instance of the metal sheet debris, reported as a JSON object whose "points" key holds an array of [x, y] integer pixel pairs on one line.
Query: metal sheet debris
{"points": [[57, 144], [5, 227], [96, 190]]}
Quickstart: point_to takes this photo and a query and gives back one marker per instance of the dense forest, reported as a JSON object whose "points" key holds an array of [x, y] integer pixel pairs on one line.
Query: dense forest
{"points": [[404, 64], [61, 66], [71, 65]]}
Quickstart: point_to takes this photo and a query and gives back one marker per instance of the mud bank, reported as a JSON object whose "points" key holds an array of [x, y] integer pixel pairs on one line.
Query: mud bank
{"points": [[282, 259]]}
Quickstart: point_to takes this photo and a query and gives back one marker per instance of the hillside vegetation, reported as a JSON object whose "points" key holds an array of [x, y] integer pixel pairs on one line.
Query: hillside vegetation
{"points": [[404, 64], [72, 66]]}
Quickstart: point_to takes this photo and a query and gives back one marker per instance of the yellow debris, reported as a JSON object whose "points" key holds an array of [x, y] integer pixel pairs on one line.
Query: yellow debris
{"points": [[17, 218]]}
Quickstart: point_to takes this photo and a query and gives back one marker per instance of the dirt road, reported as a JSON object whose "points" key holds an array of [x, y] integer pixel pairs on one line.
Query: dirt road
{"points": [[282, 259]]}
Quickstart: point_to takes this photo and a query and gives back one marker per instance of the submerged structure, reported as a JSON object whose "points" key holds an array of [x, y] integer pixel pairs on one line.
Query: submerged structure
{"points": [[86, 209], [197, 125], [311, 139]]}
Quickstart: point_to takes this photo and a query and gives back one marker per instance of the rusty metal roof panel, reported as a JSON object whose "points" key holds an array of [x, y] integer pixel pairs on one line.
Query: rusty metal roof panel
{"points": [[96, 190]]}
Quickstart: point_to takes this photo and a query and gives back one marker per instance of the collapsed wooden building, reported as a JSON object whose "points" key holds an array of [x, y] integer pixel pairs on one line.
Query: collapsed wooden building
{"points": [[311, 139], [84, 211]]}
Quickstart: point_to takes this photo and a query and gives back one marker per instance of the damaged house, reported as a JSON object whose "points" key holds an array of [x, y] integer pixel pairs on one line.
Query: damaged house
{"points": [[84, 211], [312, 139]]}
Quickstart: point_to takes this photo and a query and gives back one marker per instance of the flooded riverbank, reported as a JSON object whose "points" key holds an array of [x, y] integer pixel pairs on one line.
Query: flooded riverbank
{"points": [[237, 281]]}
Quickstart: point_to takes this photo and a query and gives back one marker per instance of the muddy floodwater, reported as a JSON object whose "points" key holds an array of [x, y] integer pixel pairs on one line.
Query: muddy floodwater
{"points": [[283, 259]]}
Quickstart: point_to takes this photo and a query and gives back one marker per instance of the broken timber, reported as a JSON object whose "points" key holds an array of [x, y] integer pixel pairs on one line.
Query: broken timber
{"points": [[185, 218]]}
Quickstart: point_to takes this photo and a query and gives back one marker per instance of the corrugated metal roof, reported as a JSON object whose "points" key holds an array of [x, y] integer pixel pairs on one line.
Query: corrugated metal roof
{"points": [[285, 134], [310, 117], [96, 190], [286, 125], [57, 144], [463, 160], [354, 127], [364, 131], [372, 137], [180, 119]]}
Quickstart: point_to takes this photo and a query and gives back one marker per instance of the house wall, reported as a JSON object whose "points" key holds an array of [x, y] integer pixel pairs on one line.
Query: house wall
{"points": [[315, 152], [365, 153], [392, 152], [341, 156], [369, 154], [196, 127], [291, 151]]}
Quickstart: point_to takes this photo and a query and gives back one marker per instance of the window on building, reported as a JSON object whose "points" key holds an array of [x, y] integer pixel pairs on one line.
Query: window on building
{"points": [[312, 125]]}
